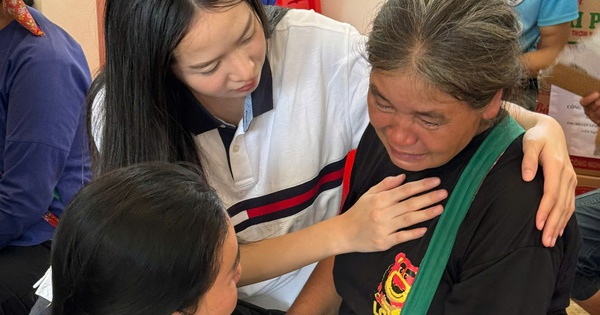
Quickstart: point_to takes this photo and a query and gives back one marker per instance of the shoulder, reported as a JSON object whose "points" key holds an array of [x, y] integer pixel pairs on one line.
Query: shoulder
{"points": [[502, 214], [41, 65], [56, 45], [504, 184], [308, 28], [308, 34], [52, 60], [505, 206], [553, 12], [297, 18]]}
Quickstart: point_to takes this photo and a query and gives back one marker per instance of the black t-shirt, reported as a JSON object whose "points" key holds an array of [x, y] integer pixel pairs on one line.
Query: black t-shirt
{"points": [[498, 264]]}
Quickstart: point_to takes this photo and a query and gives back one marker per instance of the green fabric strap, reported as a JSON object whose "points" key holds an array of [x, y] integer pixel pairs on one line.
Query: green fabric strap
{"points": [[436, 258]]}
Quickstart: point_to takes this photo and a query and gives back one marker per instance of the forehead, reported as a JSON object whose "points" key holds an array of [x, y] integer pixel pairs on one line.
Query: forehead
{"points": [[215, 30], [399, 86]]}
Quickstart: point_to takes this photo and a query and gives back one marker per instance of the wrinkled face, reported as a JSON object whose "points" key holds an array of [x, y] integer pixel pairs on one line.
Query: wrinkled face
{"points": [[221, 298], [222, 54], [420, 127]]}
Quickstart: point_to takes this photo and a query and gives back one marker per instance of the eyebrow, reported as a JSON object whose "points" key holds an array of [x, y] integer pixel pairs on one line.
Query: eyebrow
{"points": [[376, 92], [208, 63], [432, 114]]}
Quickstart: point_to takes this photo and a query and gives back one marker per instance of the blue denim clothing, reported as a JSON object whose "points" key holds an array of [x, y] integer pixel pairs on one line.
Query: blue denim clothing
{"points": [[44, 156], [587, 277]]}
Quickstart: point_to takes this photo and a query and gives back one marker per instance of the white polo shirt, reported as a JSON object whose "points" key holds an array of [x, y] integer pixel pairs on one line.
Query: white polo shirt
{"points": [[284, 172]]}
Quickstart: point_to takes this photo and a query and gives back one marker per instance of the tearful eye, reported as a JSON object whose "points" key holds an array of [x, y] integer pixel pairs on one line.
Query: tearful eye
{"points": [[429, 124], [384, 108]]}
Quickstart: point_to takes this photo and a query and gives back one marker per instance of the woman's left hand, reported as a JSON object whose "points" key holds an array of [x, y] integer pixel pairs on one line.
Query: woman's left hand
{"points": [[545, 144]]}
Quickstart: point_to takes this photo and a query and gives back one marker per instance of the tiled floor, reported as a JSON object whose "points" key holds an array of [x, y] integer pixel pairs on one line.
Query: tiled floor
{"points": [[574, 309]]}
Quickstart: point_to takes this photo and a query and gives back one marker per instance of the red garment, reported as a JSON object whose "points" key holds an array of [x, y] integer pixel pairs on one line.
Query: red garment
{"points": [[301, 4], [18, 10], [347, 175]]}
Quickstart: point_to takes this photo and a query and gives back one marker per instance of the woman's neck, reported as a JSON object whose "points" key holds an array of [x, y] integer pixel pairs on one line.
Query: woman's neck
{"points": [[5, 19], [230, 110]]}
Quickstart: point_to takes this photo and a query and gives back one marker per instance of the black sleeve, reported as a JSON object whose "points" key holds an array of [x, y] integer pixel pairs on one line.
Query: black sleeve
{"points": [[520, 283], [501, 265]]}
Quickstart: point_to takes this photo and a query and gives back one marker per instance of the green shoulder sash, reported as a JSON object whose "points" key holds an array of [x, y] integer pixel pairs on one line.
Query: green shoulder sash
{"points": [[436, 257]]}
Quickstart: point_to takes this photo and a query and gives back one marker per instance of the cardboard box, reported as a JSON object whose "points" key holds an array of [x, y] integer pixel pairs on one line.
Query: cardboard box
{"points": [[584, 147], [586, 166], [574, 80], [586, 183]]}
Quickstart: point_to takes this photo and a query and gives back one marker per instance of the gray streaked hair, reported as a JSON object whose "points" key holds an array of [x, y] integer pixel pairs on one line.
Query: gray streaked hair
{"points": [[465, 48]]}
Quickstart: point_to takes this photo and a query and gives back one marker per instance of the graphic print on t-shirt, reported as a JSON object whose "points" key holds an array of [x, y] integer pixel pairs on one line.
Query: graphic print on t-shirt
{"points": [[394, 286]]}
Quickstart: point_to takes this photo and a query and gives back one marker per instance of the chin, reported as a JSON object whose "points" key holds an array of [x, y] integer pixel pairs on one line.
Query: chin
{"points": [[408, 166]]}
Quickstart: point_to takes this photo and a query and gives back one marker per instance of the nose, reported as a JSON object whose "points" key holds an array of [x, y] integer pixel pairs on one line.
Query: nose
{"points": [[242, 67], [401, 133]]}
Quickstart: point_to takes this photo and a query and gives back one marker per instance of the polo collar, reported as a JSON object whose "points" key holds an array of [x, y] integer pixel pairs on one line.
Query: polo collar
{"points": [[199, 120]]}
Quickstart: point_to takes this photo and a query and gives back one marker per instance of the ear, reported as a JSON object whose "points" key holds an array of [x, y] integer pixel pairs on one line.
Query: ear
{"points": [[492, 109]]}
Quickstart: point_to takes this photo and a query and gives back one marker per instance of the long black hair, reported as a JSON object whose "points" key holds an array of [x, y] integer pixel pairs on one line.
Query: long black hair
{"points": [[145, 239], [140, 116]]}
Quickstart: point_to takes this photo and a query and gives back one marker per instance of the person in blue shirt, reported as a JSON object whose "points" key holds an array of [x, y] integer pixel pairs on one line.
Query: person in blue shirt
{"points": [[44, 158], [546, 27]]}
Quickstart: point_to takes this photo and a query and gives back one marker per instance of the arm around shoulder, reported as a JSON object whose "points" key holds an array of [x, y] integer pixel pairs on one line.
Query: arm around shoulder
{"points": [[544, 144]]}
